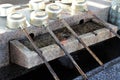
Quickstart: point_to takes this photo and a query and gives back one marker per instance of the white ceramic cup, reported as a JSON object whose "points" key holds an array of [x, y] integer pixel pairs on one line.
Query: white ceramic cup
{"points": [[38, 18], [5, 9], [53, 10], [15, 20]]}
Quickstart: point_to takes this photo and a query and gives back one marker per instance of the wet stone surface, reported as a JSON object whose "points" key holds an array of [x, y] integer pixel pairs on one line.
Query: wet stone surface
{"points": [[62, 34], [107, 51]]}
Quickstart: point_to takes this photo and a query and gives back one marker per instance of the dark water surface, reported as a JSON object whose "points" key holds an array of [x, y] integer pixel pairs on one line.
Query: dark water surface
{"points": [[106, 51]]}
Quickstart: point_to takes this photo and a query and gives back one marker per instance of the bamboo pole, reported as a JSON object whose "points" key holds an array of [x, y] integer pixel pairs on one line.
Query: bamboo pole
{"points": [[39, 52], [104, 23], [67, 54], [81, 41]]}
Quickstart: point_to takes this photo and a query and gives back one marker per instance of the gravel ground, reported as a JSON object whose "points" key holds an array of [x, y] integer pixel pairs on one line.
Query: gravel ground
{"points": [[111, 72]]}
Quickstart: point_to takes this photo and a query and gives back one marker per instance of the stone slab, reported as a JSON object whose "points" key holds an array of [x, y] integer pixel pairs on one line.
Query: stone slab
{"points": [[22, 56], [7, 35]]}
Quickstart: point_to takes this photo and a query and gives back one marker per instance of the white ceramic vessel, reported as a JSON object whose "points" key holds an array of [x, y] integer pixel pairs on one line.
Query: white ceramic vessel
{"points": [[5, 9], [15, 20], [38, 18], [53, 10], [78, 6], [36, 4]]}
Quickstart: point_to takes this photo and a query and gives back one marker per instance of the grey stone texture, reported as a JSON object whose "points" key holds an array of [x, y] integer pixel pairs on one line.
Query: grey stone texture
{"points": [[6, 35], [22, 56], [110, 71]]}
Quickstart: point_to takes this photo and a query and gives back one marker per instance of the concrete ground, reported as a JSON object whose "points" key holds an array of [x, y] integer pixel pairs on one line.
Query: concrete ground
{"points": [[109, 72]]}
